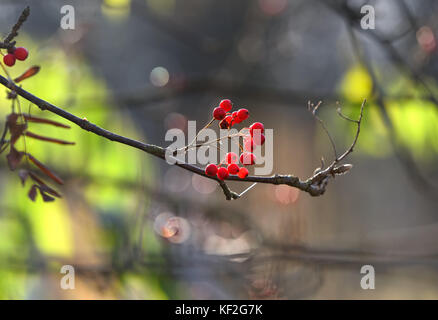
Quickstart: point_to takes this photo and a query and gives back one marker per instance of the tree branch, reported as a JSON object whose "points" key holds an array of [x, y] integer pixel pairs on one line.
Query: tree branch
{"points": [[315, 185], [8, 43]]}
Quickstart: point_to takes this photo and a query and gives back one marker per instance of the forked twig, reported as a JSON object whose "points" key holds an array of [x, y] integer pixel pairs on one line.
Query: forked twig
{"points": [[312, 108], [322, 176], [8, 42]]}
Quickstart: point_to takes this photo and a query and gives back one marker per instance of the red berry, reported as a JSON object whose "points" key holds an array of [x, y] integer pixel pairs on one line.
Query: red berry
{"points": [[247, 158], [233, 168], [258, 138], [211, 170], [235, 118], [248, 144], [222, 173], [226, 105], [21, 53], [9, 60], [243, 114], [243, 173], [256, 126], [231, 157], [219, 113]]}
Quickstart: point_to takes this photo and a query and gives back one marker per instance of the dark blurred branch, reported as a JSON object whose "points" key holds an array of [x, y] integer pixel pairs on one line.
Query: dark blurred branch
{"points": [[191, 38], [352, 18], [222, 87], [405, 158]]}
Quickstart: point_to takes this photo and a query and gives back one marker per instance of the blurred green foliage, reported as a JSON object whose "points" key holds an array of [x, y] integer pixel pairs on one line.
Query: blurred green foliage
{"points": [[415, 119], [48, 229]]}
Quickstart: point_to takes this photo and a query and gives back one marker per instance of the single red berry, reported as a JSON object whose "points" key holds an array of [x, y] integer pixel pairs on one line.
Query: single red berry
{"points": [[226, 105], [247, 158], [256, 126], [258, 138], [21, 53], [9, 60], [243, 114], [235, 118], [222, 173], [248, 144], [219, 113], [211, 170], [243, 173], [233, 168], [231, 157]]}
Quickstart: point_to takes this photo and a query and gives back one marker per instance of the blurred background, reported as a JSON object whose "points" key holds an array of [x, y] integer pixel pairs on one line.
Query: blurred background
{"points": [[135, 228]]}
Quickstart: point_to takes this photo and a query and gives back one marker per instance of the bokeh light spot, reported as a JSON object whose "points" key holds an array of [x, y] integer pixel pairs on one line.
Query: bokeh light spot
{"points": [[176, 179], [174, 229], [426, 39], [159, 76], [286, 195], [272, 7], [203, 185], [175, 120]]}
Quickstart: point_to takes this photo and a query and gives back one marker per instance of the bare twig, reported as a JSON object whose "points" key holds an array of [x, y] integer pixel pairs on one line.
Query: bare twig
{"points": [[7, 42], [3, 142], [312, 108], [333, 169]]}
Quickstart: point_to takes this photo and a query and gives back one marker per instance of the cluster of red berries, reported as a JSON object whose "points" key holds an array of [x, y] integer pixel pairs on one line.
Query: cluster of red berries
{"points": [[226, 118], [255, 137], [19, 53]]}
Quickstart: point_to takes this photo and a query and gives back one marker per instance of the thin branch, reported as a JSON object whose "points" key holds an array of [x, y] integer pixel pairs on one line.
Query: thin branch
{"points": [[312, 185], [3, 142], [229, 195], [333, 169], [7, 42], [312, 108]]}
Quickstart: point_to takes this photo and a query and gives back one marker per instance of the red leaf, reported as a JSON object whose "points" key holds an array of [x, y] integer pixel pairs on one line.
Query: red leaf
{"points": [[16, 129], [35, 178], [32, 192], [43, 186], [36, 136], [49, 190], [45, 170], [46, 197], [14, 158], [30, 118], [11, 118], [29, 73]]}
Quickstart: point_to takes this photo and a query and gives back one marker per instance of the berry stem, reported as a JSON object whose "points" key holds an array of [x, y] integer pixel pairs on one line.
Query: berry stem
{"points": [[247, 189], [196, 137], [5, 70]]}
